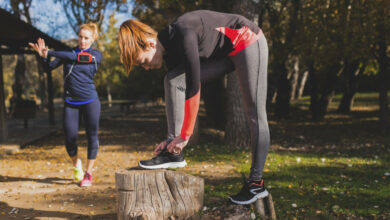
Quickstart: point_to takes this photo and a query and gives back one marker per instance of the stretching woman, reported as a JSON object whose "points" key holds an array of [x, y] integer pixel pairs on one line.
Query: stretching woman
{"points": [[201, 46], [80, 66]]}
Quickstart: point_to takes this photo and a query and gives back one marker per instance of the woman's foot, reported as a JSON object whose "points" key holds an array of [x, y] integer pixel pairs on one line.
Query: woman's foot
{"points": [[164, 160], [87, 180], [78, 172], [250, 192]]}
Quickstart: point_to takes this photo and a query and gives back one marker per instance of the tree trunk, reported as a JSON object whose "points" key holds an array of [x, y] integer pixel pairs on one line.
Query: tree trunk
{"points": [[265, 208], [3, 112], [302, 83], [383, 70], [329, 89], [194, 140], [237, 131], [282, 107], [281, 46], [314, 102], [109, 98], [294, 79], [213, 94], [351, 73], [158, 194]]}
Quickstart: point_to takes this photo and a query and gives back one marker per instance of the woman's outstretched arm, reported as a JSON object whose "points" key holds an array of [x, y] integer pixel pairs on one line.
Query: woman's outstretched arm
{"points": [[42, 50]]}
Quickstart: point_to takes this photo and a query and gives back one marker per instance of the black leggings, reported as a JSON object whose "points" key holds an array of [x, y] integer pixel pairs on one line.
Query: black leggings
{"points": [[91, 113]]}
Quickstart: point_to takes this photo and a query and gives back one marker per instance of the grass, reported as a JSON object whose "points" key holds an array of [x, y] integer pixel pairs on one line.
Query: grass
{"points": [[336, 168]]}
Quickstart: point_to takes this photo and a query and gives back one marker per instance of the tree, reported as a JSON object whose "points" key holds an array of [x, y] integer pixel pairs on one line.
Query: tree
{"points": [[237, 132], [81, 12], [111, 71], [380, 50], [354, 45], [283, 21]]}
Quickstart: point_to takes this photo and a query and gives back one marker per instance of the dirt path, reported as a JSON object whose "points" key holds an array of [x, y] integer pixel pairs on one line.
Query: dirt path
{"points": [[36, 182]]}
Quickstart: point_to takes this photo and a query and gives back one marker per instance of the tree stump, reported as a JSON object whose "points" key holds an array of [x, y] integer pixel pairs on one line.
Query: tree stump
{"points": [[158, 194], [265, 208]]}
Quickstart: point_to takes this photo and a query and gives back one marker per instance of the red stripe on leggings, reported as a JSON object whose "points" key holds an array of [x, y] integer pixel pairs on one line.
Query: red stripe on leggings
{"points": [[191, 109]]}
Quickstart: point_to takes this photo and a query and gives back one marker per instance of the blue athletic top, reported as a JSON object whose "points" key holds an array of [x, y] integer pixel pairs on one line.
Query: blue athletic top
{"points": [[79, 87]]}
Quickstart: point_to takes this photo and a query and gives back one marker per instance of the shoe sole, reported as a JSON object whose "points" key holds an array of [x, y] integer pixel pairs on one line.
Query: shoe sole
{"points": [[165, 165], [256, 197]]}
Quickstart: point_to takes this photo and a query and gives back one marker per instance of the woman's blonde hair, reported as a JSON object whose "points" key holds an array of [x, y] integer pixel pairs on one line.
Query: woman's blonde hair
{"points": [[133, 39], [91, 27]]}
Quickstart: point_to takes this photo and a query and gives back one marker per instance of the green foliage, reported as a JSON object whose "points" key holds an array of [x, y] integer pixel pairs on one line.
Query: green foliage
{"points": [[111, 72], [81, 12], [159, 13]]}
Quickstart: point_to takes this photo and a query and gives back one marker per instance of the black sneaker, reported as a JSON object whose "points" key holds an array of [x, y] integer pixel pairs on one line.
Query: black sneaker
{"points": [[164, 160], [250, 192]]}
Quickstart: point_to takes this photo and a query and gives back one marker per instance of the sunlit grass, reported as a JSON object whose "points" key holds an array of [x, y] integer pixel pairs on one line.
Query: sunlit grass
{"points": [[335, 168], [305, 185]]}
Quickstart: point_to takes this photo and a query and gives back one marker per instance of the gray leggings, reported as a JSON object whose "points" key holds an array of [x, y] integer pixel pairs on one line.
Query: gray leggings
{"points": [[250, 65]]}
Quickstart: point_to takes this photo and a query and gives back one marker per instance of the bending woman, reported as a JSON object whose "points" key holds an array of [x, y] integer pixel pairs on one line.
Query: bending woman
{"points": [[201, 46], [80, 96]]}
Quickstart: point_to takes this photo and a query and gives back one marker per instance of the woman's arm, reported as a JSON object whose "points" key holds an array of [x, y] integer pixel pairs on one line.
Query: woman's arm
{"points": [[42, 50], [64, 55], [192, 70], [52, 64]]}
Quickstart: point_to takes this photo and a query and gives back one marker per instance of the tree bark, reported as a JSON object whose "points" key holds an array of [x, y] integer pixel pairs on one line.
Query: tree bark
{"points": [[237, 131], [282, 107], [213, 94], [294, 78], [383, 69], [302, 83], [157, 194], [265, 208], [109, 98], [281, 47], [329, 89], [314, 101], [351, 74], [3, 115]]}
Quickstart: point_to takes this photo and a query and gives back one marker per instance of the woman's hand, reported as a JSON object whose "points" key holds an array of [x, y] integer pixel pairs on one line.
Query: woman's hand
{"points": [[160, 147], [40, 47], [177, 145]]}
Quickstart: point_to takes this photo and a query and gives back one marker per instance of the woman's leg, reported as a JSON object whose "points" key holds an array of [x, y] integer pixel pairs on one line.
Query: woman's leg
{"points": [[71, 128], [92, 115], [175, 86], [251, 68]]}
